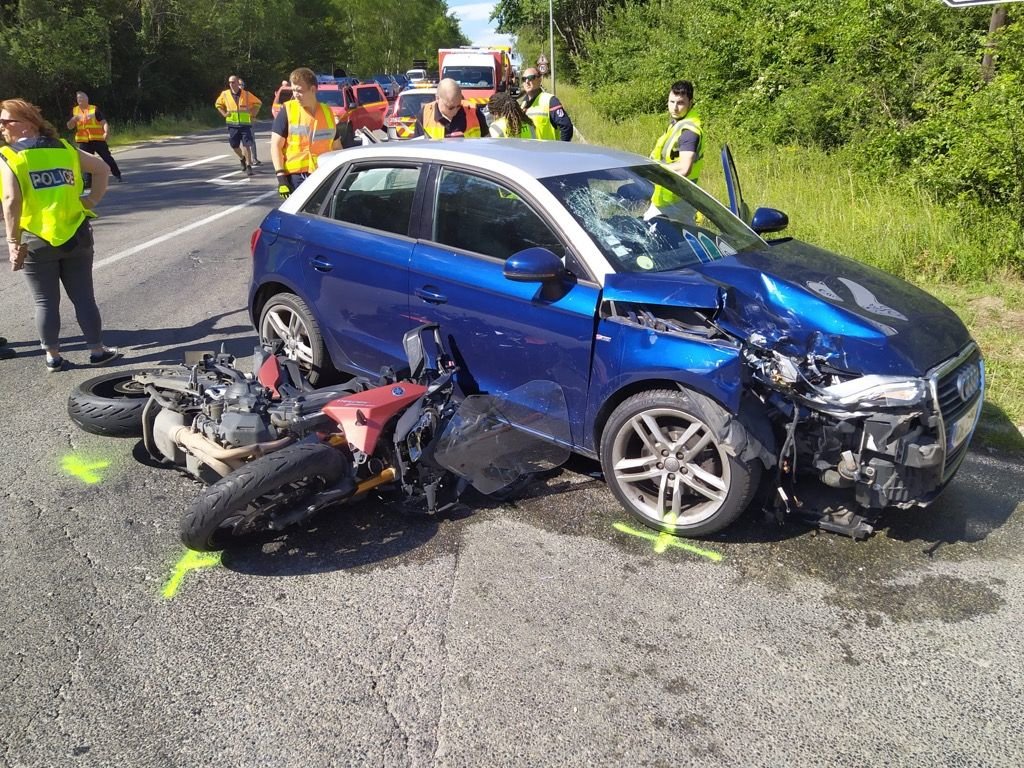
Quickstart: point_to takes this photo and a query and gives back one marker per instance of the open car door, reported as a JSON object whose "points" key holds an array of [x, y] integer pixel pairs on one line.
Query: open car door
{"points": [[732, 185]]}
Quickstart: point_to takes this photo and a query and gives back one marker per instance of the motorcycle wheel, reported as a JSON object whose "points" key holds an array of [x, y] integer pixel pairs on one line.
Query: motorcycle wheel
{"points": [[288, 319], [109, 405], [244, 502]]}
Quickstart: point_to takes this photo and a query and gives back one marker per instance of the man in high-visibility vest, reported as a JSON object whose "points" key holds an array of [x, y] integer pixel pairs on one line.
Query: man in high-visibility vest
{"points": [[545, 110], [238, 107], [681, 146], [450, 116], [92, 131], [302, 131]]}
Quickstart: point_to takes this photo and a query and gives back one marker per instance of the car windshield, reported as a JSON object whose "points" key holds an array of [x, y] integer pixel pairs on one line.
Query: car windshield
{"points": [[470, 77], [409, 104], [616, 208], [329, 97]]}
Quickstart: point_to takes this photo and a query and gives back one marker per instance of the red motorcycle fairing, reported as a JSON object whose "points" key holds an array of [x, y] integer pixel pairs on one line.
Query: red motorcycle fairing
{"points": [[271, 375], [363, 416]]}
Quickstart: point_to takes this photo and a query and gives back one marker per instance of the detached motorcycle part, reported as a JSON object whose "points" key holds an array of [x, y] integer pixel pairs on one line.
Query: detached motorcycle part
{"points": [[288, 319], [248, 500], [109, 405], [666, 457]]}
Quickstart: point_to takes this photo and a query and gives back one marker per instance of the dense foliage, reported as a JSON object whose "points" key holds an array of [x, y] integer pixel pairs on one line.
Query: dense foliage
{"points": [[896, 85], [138, 58]]}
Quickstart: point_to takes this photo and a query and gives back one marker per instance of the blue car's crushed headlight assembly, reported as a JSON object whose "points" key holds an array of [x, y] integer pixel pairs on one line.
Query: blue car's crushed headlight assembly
{"points": [[875, 391]]}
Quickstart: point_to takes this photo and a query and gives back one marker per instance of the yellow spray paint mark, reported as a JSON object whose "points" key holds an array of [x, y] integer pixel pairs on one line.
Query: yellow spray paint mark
{"points": [[190, 561], [84, 469], [662, 541]]}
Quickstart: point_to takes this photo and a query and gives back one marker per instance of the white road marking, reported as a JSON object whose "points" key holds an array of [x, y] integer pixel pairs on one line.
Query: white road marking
{"points": [[194, 225], [199, 162]]}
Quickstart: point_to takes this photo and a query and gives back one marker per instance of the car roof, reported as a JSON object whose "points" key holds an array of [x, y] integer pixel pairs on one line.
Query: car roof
{"points": [[539, 159]]}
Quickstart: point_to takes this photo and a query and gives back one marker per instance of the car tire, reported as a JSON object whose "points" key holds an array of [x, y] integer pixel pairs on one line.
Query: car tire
{"points": [[110, 405], [240, 505], [666, 458], [287, 318]]}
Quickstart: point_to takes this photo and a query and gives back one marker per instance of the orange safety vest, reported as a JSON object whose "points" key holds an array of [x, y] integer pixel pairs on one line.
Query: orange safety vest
{"points": [[309, 136], [434, 128], [89, 129], [237, 109]]}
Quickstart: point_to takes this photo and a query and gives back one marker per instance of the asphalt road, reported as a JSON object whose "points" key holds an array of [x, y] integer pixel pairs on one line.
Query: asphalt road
{"points": [[531, 633]]}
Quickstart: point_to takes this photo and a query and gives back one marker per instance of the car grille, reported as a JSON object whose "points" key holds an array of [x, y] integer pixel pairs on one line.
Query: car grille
{"points": [[946, 389]]}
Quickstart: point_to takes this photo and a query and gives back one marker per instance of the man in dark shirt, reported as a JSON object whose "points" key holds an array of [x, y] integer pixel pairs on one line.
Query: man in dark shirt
{"points": [[447, 117]]}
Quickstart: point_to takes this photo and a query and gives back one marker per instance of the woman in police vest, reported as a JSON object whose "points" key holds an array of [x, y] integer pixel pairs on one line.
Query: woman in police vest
{"points": [[48, 232]]}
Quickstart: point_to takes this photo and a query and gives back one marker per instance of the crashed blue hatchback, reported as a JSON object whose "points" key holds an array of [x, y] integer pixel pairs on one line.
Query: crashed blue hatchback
{"points": [[698, 361]]}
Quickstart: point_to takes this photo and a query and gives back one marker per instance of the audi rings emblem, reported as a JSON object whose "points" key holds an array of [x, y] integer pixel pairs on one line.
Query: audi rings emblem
{"points": [[967, 382]]}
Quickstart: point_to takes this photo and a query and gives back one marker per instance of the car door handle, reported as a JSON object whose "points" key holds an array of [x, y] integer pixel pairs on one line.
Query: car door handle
{"points": [[320, 264], [430, 295]]}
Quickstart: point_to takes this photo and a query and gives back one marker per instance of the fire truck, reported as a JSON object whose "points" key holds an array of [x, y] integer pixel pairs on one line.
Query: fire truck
{"points": [[481, 72]]}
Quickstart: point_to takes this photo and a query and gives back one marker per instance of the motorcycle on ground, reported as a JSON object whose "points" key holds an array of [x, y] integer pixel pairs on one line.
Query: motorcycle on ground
{"points": [[274, 451]]}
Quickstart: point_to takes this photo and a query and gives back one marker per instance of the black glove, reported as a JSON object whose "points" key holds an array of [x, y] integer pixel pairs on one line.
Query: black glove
{"points": [[284, 187]]}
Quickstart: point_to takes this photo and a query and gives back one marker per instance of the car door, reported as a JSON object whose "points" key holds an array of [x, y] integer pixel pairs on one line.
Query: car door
{"points": [[502, 333], [356, 252], [732, 186]]}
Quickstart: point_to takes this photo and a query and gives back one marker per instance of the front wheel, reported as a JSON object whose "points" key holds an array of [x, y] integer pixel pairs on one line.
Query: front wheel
{"points": [[245, 502], [109, 405], [665, 457], [288, 319]]}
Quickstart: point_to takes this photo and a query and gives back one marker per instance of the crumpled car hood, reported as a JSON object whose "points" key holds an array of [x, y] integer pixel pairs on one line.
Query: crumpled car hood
{"points": [[801, 299]]}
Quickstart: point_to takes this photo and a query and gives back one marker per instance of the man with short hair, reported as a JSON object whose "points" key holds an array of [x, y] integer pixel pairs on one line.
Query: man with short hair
{"points": [[255, 155], [681, 146], [450, 116], [302, 131], [544, 109], [92, 131], [238, 107]]}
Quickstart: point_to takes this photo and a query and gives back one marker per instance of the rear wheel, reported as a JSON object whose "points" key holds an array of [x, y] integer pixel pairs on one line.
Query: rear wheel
{"points": [[109, 405], [665, 457], [288, 319], [245, 502]]}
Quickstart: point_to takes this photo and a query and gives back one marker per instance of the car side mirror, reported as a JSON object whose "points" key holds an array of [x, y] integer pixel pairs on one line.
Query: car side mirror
{"points": [[768, 220], [534, 265]]}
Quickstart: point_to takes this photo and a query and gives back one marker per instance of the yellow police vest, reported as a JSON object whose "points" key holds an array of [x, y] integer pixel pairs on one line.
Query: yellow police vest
{"points": [[89, 129], [434, 128], [51, 186], [309, 136], [666, 150], [237, 109], [499, 130], [540, 113]]}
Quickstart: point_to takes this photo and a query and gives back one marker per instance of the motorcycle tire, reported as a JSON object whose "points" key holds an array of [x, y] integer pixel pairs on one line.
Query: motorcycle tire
{"points": [[242, 504], [110, 405]]}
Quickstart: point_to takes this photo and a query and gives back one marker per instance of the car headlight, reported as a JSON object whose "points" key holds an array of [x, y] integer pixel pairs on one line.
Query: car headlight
{"points": [[878, 392]]}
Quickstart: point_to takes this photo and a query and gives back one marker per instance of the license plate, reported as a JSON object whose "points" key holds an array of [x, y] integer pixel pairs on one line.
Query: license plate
{"points": [[961, 430]]}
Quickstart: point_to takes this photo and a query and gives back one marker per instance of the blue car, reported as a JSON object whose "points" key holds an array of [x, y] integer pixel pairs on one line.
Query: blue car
{"points": [[698, 360]]}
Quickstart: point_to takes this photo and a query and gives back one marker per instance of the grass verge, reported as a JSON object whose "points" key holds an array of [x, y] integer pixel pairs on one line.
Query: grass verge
{"points": [[894, 227], [163, 127]]}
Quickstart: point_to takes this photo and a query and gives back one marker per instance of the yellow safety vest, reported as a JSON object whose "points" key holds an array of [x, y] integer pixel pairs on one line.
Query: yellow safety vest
{"points": [[666, 150], [499, 130], [90, 129], [434, 128], [51, 186], [237, 109], [540, 113], [309, 136]]}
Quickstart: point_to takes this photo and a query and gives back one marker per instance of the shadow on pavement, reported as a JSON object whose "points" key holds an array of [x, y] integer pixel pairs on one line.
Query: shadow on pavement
{"points": [[170, 344]]}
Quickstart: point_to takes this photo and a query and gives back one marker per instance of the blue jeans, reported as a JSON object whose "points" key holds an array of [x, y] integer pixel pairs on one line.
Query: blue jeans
{"points": [[46, 269]]}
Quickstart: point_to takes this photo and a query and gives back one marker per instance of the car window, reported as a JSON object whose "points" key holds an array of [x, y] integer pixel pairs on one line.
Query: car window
{"points": [[330, 97], [479, 215], [368, 95], [378, 197], [470, 77], [647, 219], [409, 104]]}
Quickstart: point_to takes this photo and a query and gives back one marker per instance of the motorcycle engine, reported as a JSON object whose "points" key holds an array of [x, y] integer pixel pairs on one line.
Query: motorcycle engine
{"points": [[235, 415]]}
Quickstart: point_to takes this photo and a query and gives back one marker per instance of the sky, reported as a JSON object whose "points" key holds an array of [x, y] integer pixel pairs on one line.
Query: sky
{"points": [[473, 18]]}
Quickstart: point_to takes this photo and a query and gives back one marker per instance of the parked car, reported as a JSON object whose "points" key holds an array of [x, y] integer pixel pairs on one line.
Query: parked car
{"points": [[388, 84], [400, 121], [696, 358], [362, 105], [402, 80], [281, 95]]}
